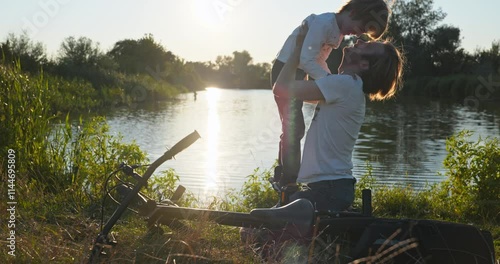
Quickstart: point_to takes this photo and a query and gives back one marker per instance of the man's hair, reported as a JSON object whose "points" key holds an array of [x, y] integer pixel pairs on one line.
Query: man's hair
{"points": [[373, 14], [384, 77]]}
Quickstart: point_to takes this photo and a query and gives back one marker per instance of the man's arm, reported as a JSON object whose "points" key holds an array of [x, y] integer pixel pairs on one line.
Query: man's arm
{"points": [[286, 86]]}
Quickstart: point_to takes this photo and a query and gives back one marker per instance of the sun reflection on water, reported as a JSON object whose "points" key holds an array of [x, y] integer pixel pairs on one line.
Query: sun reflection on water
{"points": [[212, 139]]}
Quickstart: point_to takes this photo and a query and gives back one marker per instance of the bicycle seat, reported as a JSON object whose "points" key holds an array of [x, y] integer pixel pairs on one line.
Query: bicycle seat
{"points": [[298, 214]]}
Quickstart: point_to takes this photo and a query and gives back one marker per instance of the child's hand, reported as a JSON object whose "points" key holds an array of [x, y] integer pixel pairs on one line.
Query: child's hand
{"points": [[302, 34]]}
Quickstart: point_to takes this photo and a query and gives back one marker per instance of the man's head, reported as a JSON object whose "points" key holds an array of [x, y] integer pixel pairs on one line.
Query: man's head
{"points": [[380, 65], [364, 16]]}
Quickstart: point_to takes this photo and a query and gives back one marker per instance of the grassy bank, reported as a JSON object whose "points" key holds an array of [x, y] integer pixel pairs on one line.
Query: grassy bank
{"points": [[47, 230]]}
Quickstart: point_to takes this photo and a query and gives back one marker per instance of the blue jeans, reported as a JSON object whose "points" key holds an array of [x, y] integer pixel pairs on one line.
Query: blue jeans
{"points": [[334, 195], [292, 130]]}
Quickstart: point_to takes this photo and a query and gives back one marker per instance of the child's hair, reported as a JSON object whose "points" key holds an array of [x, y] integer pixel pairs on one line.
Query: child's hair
{"points": [[384, 77], [374, 15]]}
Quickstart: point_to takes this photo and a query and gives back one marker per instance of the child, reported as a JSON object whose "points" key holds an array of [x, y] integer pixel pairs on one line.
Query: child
{"points": [[326, 32]]}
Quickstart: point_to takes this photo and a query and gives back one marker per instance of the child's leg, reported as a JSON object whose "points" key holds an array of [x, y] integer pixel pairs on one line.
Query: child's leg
{"points": [[275, 70], [292, 131]]}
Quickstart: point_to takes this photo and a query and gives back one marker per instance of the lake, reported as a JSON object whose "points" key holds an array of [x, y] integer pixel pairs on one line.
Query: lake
{"points": [[402, 140]]}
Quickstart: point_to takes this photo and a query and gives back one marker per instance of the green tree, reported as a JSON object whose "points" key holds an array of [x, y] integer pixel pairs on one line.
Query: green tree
{"points": [[224, 75], [413, 20], [412, 25], [488, 61], [182, 73], [240, 67], [446, 54], [31, 55], [144, 55], [79, 52], [148, 58], [82, 58], [260, 74], [237, 70], [206, 71], [223, 63]]}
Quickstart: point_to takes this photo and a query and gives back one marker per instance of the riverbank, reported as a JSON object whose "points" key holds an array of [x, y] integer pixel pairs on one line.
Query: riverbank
{"points": [[57, 234]]}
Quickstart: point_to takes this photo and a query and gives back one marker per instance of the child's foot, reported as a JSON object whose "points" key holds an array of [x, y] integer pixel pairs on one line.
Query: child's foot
{"points": [[278, 170]]}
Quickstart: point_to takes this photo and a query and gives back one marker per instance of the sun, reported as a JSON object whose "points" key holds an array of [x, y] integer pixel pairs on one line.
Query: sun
{"points": [[209, 14]]}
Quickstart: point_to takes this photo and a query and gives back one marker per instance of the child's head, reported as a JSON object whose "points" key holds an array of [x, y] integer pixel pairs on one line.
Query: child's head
{"points": [[365, 16]]}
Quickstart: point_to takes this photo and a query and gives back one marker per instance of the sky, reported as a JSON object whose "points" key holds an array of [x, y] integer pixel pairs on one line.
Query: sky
{"points": [[200, 30]]}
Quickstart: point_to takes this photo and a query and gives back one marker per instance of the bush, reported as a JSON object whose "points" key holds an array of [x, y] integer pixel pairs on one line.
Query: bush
{"points": [[75, 95], [83, 154], [145, 88], [473, 170], [257, 192]]}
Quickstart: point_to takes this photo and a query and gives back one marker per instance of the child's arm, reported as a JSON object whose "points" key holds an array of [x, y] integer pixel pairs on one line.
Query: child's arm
{"points": [[311, 49], [286, 86]]}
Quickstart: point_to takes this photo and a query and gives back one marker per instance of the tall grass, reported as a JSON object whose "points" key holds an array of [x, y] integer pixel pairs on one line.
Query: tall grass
{"points": [[24, 114], [66, 158]]}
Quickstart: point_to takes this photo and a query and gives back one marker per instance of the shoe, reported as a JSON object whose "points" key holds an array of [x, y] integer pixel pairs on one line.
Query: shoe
{"points": [[275, 185], [278, 173]]}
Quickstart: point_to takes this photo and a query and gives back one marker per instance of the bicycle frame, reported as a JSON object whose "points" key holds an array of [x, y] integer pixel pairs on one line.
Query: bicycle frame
{"points": [[102, 239]]}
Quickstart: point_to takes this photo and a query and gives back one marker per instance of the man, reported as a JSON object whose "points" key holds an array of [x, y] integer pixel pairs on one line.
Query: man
{"points": [[326, 32], [373, 69]]}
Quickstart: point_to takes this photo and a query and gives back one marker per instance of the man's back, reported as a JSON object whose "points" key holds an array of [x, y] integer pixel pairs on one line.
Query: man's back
{"points": [[334, 130]]}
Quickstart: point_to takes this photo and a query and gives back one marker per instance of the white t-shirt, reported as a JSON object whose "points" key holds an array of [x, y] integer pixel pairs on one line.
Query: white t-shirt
{"points": [[334, 130], [323, 36]]}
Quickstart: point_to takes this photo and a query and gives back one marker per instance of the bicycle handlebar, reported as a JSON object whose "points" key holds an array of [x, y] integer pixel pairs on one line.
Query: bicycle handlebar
{"points": [[184, 143], [180, 146], [103, 235]]}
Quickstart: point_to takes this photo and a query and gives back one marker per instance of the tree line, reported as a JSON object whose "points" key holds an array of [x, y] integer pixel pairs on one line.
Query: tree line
{"points": [[136, 70], [133, 70]]}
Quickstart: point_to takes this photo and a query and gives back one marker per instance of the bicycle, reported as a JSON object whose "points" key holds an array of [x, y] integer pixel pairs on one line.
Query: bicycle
{"points": [[369, 239]]}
